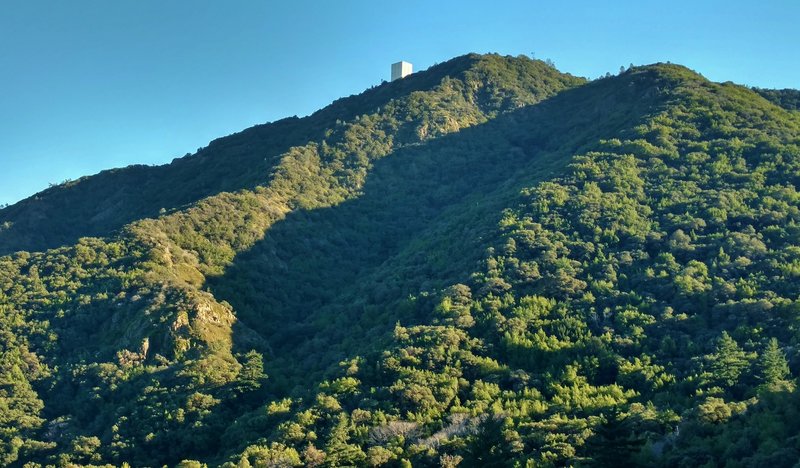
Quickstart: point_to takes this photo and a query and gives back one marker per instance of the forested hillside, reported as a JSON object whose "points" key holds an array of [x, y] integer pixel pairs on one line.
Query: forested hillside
{"points": [[489, 263]]}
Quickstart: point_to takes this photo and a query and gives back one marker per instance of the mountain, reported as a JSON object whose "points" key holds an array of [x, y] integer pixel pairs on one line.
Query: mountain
{"points": [[488, 262], [104, 203]]}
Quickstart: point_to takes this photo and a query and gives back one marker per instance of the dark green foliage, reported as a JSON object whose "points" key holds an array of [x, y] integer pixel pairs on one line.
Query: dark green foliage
{"points": [[489, 263], [494, 444], [615, 442], [786, 98]]}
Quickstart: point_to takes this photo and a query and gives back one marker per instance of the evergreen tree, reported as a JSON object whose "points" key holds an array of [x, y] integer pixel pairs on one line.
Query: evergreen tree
{"points": [[495, 444], [251, 376], [339, 449], [727, 362], [614, 442], [772, 365]]}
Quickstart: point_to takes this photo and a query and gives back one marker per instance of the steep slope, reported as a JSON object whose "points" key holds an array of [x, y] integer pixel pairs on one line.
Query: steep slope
{"points": [[499, 267], [639, 309], [123, 320], [101, 204], [449, 193]]}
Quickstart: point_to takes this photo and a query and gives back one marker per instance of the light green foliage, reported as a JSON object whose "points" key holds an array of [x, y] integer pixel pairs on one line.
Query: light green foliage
{"points": [[772, 365]]}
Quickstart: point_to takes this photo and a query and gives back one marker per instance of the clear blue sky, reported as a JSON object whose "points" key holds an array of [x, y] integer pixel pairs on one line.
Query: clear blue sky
{"points": [[90, 85]]}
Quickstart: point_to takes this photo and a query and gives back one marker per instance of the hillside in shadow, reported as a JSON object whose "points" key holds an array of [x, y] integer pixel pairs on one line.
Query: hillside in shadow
{"points": [[324, 284]]}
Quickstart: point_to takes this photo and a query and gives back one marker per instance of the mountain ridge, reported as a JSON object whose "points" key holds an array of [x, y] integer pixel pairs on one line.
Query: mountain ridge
{"points": [[483, 271], [206, 172]]}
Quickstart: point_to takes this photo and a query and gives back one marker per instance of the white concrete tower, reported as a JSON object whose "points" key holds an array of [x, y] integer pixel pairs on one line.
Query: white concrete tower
{"points": [[401, 70]]}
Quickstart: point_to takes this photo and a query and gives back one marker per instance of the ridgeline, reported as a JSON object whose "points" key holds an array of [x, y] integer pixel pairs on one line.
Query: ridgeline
{"points": [[489, 263]]}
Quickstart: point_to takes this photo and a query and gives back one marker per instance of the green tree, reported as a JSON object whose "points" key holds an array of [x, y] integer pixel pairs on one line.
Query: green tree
{"points": [[339, 450], [727, 362], [615, 441], [251, 375], [495, 444], [772, 365]]}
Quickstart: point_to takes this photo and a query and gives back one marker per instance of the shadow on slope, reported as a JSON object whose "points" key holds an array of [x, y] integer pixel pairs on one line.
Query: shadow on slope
{"points": [[326, 284]]}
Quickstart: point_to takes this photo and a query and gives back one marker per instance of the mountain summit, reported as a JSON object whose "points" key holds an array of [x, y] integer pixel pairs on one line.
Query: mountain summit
{"points": [[488, 262]]}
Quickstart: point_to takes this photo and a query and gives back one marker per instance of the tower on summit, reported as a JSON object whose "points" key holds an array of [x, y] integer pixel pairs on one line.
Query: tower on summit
{"points": [[401, 70]]}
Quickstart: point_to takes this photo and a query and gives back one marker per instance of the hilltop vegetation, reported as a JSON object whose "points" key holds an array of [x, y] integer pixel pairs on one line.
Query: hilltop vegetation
{"points": [[489, 263], [786, 98]]}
